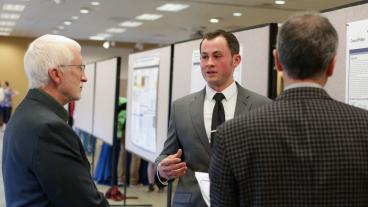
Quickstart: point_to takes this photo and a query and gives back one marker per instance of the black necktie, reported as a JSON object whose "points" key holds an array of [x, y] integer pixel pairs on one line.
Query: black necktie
{"points": [[218, 114]]}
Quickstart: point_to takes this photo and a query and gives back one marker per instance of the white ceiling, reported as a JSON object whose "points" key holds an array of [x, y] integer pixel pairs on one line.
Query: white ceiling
{"points": [[44, 16]]}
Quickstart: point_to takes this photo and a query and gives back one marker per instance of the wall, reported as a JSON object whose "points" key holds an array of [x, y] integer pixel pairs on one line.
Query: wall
{"points": [[11, 64], [12, 50]]}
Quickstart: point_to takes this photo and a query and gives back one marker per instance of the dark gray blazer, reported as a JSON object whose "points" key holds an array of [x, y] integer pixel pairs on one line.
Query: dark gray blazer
{"points": [[44, 163], [187, 132], [304, 149]]}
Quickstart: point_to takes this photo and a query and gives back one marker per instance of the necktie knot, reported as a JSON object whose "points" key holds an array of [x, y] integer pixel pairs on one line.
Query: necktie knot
{"points": [[218, 97]]}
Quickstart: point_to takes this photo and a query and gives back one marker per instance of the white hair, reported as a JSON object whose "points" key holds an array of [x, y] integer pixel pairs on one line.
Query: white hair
{"points": [[47, 52]]}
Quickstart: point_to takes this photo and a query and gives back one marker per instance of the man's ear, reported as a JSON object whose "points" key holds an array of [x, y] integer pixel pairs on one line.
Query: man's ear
{"points": [[55, 75], [236, 60], [331, 67], [278, 65]]}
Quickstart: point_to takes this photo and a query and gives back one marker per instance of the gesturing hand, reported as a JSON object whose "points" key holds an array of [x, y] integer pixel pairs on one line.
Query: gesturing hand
{"points": [[172, 167]]}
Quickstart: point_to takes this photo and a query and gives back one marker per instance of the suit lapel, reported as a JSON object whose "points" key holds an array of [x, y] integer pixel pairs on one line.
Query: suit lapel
{"points": [[196, 112], [241, 102]]}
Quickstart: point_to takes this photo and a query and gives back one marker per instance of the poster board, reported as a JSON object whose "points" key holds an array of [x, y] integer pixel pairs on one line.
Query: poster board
{"points": [[336, 85], [154, 64], [357, 64]]}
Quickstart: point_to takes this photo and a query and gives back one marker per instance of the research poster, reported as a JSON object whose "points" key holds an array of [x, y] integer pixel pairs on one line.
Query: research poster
{"points": [[197, 82], [144, 102], [357, 64]]}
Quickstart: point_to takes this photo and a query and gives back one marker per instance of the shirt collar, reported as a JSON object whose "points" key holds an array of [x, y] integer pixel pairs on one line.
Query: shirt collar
{"points": [[228, 92], [303, 84]]}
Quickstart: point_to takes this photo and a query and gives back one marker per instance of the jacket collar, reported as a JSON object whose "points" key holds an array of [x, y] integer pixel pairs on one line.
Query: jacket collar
{"points": [[303, 93], [40, 96]]}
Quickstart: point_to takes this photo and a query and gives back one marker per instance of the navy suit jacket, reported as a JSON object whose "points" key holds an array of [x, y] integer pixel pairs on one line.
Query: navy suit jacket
{"points": [[44, 163]]}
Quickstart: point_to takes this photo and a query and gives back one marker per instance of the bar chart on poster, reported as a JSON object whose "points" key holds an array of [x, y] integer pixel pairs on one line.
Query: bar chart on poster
{"points": [[357, 64]]}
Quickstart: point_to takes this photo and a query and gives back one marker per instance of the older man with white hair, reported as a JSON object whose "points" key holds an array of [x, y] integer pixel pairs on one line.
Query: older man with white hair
{"points": [[44, 163]]}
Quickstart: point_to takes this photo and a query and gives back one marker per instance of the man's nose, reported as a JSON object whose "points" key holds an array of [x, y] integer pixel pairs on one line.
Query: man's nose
{"points": [[84, 78]]}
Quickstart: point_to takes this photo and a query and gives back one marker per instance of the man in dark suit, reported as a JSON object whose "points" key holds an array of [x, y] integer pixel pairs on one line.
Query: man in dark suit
{"points": [[304, 149], [187, 148], [44, 163]]}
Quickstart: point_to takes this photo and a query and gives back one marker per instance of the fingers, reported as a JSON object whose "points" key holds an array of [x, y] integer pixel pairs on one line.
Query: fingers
{"points": [[172, 166], [178, 153]]}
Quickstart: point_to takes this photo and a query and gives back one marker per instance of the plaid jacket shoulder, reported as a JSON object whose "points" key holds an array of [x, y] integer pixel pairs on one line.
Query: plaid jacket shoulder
{"points": [[305, 149]]}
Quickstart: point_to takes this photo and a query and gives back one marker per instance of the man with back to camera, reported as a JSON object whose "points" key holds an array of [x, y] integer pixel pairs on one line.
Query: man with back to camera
{"points": [[44, 163], [304, 149], [187, 148]]}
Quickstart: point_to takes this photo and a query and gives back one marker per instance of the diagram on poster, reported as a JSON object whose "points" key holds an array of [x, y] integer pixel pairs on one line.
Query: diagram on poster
{"points": [[197, 82], [357, 64], [144, 101]]}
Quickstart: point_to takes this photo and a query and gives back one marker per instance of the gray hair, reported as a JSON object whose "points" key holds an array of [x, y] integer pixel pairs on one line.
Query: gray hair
{"points": [[306, 44], [47, 52]]}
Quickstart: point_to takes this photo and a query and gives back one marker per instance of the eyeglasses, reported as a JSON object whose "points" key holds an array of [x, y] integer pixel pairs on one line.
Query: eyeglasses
{"points": [[81, 67]]}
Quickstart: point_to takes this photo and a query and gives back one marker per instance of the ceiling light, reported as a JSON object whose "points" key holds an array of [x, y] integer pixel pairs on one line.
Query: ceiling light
{"points": [[172, 7], [279, 2], [116, 30], [214, 20], [95, 3], [106, 45], [96, 38], [67, 23], [5, 29], [84, 11], [61, 27], [4, 33], [75, 17], [104, 35], [237, 14], [9, 16], [14, 7], [149, 17], [7, 23], [139, 46], [59, 1], [130, 24]]}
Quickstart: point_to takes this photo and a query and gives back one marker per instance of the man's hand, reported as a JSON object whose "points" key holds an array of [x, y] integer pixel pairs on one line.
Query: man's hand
{"points": [[172, 167]]}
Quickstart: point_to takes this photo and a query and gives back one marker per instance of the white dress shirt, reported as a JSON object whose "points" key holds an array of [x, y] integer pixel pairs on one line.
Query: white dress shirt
{"points": [[229, 103]]}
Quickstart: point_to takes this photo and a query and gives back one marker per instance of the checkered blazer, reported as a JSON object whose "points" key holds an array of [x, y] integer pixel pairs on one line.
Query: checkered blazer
{"points": [[304, 149]]}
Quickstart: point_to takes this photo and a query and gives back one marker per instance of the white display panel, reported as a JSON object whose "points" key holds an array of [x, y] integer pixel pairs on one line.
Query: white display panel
{"points": [[336, 84], [105, 100], [83, 112], [143, 101], [150, 145], [357, 64], [255, 58], [252, 73]]}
